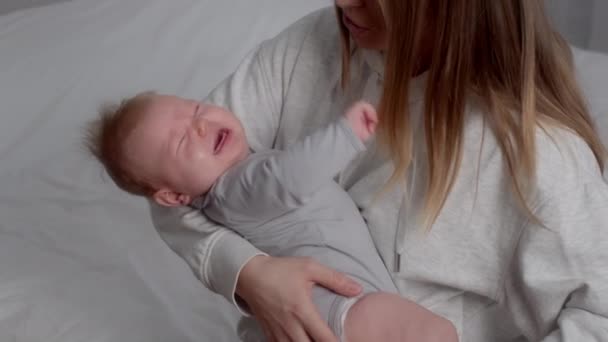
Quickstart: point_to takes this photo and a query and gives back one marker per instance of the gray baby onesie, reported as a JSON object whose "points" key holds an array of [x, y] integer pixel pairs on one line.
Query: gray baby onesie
{"points": [[287, 204]]}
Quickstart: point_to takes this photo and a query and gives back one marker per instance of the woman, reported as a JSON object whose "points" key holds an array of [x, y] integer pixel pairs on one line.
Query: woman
{"points": [[501, 224]]}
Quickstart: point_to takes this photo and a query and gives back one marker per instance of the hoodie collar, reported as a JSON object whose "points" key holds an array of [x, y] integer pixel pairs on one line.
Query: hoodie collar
{"points": [[376, 62]]}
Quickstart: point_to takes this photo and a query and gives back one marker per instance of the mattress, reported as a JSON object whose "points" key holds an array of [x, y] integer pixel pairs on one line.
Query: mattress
{"points": [[80, 259]]}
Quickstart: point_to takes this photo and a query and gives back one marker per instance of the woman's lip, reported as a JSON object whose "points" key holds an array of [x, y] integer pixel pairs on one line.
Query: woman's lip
{"points": [[352, 26]]}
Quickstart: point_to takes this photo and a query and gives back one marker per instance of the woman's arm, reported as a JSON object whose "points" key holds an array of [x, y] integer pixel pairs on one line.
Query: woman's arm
{"points": [[556, 289], [215, 254]]}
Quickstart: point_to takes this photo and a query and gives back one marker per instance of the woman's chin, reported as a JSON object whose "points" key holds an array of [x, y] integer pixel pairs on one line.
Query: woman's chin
{"points": [[370, 43]]}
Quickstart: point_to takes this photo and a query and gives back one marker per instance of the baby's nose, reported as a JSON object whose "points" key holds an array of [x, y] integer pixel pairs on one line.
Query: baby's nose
{"points": [[201, 128]]}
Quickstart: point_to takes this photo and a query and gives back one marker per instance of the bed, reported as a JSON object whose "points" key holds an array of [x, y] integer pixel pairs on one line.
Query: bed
{"points": [[79, 259]]}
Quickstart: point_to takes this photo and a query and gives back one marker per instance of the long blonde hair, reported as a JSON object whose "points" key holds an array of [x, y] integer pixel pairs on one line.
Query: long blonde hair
{"points": [[503, 51]]}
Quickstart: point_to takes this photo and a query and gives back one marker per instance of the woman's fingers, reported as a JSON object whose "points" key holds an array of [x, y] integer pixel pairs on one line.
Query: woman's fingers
{"points": [[268, 333], [280, 335], [331, 279], [312, 322], [296, 332], [278, 291]]}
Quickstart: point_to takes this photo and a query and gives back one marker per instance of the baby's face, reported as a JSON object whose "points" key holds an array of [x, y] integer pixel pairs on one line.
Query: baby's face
{"points": [[184, 146]]}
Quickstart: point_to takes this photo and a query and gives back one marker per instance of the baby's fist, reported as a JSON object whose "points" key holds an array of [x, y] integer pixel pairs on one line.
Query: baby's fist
{"points": [[363, 119]]}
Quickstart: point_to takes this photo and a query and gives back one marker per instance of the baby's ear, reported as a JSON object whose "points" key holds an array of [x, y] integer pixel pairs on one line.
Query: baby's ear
{"points": [[168, 198]]}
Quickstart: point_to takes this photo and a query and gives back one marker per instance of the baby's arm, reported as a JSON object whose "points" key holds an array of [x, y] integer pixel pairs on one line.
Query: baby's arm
{"points": [[313, 161], [268, 187], [363, 120]]}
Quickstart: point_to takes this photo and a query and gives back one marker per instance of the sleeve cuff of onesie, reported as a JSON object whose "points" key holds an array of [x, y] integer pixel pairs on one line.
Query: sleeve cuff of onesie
{"points": [[355, 142], [229, 255]]}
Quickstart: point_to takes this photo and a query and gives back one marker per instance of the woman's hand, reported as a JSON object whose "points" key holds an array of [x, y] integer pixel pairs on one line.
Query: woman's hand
{"points": [[278, 292]]}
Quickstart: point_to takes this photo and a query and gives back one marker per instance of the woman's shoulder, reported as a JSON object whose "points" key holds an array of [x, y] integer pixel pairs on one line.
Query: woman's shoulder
{"points": [[565, 162], [566, 167]]}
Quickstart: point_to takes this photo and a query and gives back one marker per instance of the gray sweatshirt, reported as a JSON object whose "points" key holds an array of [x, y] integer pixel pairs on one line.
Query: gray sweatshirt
{"points": [[484, 265]]}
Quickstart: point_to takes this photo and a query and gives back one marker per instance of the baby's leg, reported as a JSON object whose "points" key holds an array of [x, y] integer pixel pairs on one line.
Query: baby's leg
{"points": [[390, 318]]}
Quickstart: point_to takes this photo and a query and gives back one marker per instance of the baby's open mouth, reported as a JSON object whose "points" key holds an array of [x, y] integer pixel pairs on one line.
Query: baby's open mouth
{"points": [[220, 140]]}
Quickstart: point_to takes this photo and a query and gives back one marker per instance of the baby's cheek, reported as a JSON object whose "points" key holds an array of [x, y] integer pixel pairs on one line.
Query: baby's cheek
{"points": [[196, 155]]}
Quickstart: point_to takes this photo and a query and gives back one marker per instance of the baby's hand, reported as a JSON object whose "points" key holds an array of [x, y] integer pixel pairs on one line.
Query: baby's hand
{"points": [[363, 119]]}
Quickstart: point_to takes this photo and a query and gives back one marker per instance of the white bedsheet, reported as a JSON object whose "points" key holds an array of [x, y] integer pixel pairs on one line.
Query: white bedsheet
{"points": [[80, 260]]}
